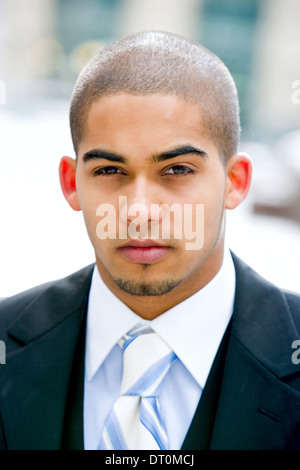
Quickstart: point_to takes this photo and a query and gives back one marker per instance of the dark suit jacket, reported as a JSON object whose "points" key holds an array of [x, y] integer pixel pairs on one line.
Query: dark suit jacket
{"points": [[258, 404]]}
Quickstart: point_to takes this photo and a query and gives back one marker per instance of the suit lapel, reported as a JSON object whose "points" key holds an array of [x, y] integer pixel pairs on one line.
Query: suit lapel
{"points": [[73, 432], [256, 408], [43, 344], [200, 431]]}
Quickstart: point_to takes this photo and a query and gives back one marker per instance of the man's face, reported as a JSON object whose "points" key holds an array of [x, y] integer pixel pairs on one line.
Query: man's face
{"points": [[151, 150]]}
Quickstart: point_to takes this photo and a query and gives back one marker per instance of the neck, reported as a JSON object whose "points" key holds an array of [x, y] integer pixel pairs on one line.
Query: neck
{"points": [[150, 307]]}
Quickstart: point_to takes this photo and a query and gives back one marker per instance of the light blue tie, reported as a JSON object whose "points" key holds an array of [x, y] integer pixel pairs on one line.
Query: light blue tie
{"points": [[135, 421]]}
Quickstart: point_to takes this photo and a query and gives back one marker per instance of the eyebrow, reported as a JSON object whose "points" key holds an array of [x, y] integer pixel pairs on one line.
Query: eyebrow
{"points": [[113, 157], [177, 152], [97, 153]]}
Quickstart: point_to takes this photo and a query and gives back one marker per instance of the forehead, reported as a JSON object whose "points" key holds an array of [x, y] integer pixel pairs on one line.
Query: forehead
{"points": [[142, 121]]}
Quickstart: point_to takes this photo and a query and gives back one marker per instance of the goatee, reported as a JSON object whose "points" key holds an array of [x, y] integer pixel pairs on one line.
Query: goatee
{"points": [[146, 288]]}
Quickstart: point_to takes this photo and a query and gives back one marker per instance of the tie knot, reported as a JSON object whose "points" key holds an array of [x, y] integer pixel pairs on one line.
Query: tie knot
{"points": [[146, 360]]}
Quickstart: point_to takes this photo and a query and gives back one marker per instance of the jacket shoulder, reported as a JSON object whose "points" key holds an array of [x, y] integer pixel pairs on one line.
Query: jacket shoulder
{"points": [[293, 301], [11, 307]]}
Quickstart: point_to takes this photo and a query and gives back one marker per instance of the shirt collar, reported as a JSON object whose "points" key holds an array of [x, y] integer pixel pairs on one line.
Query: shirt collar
{"points": [[108, 318], [194, 328]]}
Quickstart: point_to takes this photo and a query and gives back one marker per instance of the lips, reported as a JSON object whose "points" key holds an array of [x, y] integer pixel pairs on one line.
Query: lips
{"points": [[143, 251]]}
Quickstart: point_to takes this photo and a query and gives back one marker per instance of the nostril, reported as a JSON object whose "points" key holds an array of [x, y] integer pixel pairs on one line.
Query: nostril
{"points": [[138, 212]]}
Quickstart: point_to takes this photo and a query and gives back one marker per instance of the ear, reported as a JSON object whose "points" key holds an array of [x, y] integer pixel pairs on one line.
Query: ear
{"points": [[239, 175], [67, 176]]}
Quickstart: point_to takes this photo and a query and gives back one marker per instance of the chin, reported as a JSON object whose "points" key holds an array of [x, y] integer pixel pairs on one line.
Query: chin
{"points": [[150, 288]]}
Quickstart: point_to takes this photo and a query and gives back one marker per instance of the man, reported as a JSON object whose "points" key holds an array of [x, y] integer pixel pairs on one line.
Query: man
{"points": [[155, 126]]}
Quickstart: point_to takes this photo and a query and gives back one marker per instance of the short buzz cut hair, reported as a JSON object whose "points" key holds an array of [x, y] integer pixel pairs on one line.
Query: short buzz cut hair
{"points": [[157, 62]]}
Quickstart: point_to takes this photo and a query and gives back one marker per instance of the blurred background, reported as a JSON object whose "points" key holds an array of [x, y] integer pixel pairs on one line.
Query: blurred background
{"points": [[43, 46]]}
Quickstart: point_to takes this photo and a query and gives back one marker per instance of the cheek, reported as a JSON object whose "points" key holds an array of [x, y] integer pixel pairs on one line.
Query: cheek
{"points": [[91, 224], [88, 195], [214, 208], [89, 202]]}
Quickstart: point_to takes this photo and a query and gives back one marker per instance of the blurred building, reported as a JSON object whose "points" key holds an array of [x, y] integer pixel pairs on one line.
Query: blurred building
{"points": [[45, 43]]}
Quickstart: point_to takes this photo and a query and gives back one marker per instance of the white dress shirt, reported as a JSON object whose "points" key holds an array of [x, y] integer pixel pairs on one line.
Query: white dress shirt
{"points": [[194, 329]]}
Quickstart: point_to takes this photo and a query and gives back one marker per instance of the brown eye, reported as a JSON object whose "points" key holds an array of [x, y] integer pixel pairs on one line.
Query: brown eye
{"points": [[107, 171], [178, 170]]}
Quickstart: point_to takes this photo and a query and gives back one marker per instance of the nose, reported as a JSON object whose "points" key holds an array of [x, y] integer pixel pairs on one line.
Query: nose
{"points": [[141, 204]]}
